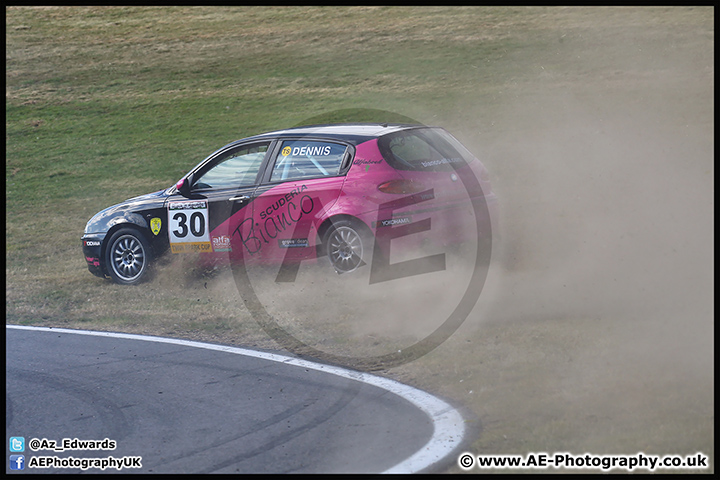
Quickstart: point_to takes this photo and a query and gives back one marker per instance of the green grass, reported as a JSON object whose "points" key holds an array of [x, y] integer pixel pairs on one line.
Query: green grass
{"points": [[105, 103]]}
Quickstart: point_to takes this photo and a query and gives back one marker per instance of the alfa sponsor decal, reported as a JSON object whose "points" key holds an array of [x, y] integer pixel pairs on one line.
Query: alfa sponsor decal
{"points": [[221, 244]]}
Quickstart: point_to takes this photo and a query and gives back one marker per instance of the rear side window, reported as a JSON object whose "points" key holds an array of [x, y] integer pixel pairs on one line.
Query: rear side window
{"points": [[307, 159], [424, 149]]}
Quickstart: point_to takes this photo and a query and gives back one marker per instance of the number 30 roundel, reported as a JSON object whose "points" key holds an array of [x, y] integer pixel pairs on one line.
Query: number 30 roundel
{"points": [[188, 227]]}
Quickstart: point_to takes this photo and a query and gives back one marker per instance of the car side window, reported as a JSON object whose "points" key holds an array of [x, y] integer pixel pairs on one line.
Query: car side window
{"points": [[424, 149], [235, 168], [307, 159]]}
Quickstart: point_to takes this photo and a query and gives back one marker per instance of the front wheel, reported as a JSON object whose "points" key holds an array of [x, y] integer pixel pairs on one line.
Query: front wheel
{"points": [[127, 256], [347, 246]]}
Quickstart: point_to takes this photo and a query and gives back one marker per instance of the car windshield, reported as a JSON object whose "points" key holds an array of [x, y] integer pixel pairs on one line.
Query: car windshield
{"points": [[425, 149]]}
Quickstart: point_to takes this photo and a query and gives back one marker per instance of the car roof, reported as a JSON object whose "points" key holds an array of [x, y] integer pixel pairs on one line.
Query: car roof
{"points": [[350, 132]]}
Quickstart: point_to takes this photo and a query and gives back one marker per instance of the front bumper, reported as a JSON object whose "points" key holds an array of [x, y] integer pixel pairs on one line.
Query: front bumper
{"points": [[92, 252]]}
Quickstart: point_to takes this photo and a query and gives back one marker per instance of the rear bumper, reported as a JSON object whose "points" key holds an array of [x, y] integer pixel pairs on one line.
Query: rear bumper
{"points": [[445, 225]]}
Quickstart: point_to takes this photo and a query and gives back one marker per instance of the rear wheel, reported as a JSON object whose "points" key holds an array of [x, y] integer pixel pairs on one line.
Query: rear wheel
{"points": [[348, 246], [127, 256]]}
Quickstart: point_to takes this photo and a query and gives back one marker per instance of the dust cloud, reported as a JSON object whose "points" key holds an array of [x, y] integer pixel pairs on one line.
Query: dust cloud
{"points": [[349, 316], [604, 172], [606, 191]]}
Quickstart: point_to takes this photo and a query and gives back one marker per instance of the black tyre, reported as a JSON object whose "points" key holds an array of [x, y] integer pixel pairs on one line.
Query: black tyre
{"points": [[127, 256], [348, 246]]}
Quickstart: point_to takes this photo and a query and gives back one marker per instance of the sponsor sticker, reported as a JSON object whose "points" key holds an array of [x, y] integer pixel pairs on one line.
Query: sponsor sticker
{"points": [[221, 244], [392, 222], [95, 262], [366, 161], [293, 242]]}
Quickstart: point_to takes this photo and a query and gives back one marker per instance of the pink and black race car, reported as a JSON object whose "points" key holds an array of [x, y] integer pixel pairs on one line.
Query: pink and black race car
{"points": [[343, 191]]}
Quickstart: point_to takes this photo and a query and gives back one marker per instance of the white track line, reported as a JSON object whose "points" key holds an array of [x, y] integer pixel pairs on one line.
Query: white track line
{"points": [[448, 424]]}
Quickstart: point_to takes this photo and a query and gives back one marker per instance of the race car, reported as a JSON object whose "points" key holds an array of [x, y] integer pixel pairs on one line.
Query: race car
{"points": [[342, 191]]}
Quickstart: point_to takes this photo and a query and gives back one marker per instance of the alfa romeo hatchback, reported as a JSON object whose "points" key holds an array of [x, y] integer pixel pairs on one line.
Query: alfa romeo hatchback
{"points": [[342, 191]]}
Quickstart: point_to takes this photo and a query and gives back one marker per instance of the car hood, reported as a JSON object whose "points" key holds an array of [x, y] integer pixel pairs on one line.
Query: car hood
{"points": [[108, 217]]}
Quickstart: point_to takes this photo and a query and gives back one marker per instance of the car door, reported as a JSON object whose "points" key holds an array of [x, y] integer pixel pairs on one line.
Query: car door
{"points": [[220, 200], [303, 179]]}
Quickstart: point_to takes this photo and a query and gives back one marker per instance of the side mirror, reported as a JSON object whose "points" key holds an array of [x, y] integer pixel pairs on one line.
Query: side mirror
{"points": [[183, 186]]}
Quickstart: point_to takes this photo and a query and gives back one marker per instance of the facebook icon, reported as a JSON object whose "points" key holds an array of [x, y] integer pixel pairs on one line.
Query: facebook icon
{"points": [[17, 462]]}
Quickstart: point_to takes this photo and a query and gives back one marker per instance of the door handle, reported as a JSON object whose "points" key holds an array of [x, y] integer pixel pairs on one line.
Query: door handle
{"points": [[239, 198]]}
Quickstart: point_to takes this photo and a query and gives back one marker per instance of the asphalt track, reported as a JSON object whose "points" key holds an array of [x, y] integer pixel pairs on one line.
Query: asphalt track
{"points": [[189, 407]]}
